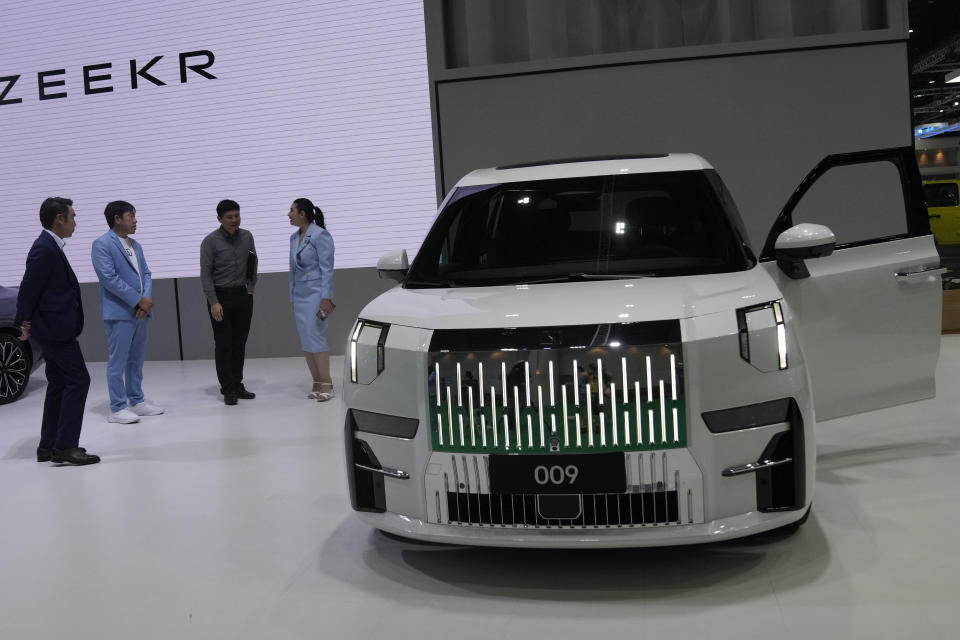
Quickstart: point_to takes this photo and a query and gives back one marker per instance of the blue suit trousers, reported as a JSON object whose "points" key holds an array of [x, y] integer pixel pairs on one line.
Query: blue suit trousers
{"points": [[127, 345]]}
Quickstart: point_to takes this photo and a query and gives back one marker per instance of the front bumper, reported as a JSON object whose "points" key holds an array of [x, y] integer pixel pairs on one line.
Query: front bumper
{"points": [[417, 489], [559, 538]]}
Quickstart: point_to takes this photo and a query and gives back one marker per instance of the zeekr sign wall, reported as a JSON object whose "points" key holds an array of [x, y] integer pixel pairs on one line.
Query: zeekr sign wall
{"points": [[174, 106]]}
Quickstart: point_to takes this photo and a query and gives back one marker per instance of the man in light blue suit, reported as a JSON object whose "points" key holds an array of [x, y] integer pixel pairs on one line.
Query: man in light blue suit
{"points": [[125, 306]]}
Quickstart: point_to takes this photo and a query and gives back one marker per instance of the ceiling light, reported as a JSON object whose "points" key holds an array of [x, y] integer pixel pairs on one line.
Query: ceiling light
{"points": [[952, 77], [911, 30], [931, 82]]}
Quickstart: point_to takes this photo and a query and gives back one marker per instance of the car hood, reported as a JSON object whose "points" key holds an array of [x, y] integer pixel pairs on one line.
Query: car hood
{"points": [[568, 303], [8, 305]]}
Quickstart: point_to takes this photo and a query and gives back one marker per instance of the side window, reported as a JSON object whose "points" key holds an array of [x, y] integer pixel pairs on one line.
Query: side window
{"points": [[860, 203], [941, 194]]}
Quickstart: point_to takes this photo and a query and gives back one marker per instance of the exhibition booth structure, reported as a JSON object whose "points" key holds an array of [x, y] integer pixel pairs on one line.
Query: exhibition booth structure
{"points": [[587, 353]]}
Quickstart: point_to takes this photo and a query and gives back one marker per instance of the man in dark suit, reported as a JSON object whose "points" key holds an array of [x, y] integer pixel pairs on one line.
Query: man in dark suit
{"points": [[49, 309]]}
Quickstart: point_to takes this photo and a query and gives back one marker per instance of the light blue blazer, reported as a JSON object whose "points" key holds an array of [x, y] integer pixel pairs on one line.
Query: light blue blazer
{"points": [[311, 262], [120, 284]]}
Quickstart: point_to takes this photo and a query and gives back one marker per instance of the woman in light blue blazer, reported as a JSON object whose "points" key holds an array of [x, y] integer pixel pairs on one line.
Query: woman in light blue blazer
{"points": [[311, 291]]}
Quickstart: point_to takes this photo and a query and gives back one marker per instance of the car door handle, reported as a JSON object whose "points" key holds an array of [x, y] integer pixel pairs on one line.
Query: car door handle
{"points": [[753, 467], [934, 215], [907, 276]]}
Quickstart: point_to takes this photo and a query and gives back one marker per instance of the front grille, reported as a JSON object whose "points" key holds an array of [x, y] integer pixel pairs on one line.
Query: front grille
{"points": [[595, 510], [662, 488], [557, 389]]}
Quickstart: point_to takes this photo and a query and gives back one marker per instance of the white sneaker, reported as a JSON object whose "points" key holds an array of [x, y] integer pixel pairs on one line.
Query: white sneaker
{"points": [[124, 416], [146, 409]]}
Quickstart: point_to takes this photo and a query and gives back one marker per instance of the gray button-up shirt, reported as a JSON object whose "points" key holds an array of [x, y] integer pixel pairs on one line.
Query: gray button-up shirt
{"points": [[227, 261]]}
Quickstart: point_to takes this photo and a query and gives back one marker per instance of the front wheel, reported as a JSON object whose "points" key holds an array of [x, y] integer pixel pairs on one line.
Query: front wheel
{"points": [[15, 362]]}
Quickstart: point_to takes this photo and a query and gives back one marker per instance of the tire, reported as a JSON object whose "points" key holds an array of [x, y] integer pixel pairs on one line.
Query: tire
{"points": [[15, 364]]}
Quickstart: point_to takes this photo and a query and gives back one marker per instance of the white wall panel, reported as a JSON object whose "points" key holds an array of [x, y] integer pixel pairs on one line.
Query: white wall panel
{"points": [[323, 99]]}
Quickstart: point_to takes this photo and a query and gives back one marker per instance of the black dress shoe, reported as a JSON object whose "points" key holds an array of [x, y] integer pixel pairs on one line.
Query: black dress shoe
{"points": [[230, 399], [44, 455], [76, 455], [243, 394]]}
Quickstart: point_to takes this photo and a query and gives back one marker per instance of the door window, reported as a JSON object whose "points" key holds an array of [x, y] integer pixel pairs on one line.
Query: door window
{"points": [[859, 203], [864, 197]]}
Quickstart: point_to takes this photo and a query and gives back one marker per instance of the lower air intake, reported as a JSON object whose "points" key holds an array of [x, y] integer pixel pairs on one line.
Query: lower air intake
{"points": [[570, 511]]}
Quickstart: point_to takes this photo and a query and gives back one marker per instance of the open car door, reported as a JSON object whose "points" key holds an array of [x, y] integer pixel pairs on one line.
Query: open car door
{"points": [[868, 315]]}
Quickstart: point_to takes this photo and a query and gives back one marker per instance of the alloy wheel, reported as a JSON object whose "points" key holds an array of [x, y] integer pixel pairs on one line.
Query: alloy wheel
{"points": [[14, 368]]}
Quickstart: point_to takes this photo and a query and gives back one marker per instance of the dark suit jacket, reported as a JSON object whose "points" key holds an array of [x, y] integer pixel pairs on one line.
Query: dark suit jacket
{"points": [[49, 296]]}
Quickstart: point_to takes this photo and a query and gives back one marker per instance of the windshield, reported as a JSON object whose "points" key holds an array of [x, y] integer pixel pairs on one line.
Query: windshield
{"points": [[943, 194], [570, 229]]}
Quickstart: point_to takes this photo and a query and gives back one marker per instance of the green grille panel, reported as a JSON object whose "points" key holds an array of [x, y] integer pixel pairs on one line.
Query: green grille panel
{"points": [[542, 401]]}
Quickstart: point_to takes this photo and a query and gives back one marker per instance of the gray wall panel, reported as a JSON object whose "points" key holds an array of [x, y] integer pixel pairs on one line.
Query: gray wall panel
{"points": [[763, 120], [273, 332]]}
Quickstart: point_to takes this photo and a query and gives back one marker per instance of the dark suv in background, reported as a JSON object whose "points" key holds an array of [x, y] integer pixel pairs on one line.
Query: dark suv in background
{"points": [[17, 359]]}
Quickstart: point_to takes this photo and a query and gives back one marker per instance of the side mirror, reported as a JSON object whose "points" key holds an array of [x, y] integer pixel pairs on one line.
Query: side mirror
{"points": [[393, 265], [802, 242]]}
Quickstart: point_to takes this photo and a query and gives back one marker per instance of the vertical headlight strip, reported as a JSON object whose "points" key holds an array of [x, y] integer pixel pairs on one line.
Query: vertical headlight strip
{"points": [[775, 308], [356, 345], [781, 334], [353, 350]]}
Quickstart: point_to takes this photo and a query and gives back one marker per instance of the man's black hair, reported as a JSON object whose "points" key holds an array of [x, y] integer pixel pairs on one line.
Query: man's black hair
{"points": [[227, 205], [53, 207], [116, 209]]}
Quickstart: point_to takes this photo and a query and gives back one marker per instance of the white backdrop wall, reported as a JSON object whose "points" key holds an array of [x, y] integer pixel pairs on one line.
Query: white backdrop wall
{"points": [[321, 99]]}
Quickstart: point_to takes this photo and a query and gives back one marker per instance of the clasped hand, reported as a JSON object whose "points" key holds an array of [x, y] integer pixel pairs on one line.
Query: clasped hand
{"points": [[143, 308], [326, 308]]}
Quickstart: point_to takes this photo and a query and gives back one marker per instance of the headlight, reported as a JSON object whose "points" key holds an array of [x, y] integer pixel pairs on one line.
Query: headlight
{"points": [[763, 336], [367, 351]]}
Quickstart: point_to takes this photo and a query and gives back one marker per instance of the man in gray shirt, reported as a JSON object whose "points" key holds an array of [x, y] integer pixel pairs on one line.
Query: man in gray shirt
{"points": [[228, 273]]}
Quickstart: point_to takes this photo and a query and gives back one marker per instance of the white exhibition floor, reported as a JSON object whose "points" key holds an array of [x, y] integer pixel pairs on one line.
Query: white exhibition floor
{"points": [[233, 522]]}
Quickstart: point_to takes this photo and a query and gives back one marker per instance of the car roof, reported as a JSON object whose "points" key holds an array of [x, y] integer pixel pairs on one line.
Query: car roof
{"points": [[577, 167]]}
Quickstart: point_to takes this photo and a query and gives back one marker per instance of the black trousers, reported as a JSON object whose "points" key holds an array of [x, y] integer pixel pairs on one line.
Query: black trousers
{"points": [[230, 336], [67, 385]]}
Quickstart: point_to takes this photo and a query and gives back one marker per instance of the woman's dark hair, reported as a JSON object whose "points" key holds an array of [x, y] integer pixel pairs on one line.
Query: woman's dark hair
{"points": [[310, 210], [115, 210], [53, 207]]}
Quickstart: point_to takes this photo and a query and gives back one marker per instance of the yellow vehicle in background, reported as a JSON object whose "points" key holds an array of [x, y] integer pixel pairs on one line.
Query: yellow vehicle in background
{"points": [[943, 207]]}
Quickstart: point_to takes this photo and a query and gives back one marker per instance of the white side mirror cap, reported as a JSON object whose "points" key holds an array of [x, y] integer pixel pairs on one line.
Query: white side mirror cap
{"points": [[806, 236], [393, 265], [802, 242]]}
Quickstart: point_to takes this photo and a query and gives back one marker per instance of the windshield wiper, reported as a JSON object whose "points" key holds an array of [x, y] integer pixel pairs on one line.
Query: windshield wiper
{"points": [[586, 277], [614, 276], [443, 283]]}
